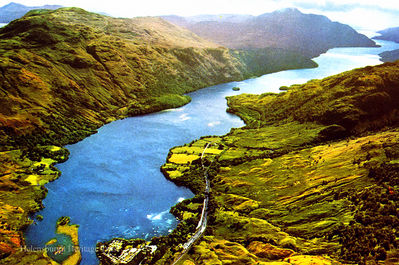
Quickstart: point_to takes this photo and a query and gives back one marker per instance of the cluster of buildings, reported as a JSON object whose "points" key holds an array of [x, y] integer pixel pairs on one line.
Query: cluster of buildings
{"points": [[119, 251]]}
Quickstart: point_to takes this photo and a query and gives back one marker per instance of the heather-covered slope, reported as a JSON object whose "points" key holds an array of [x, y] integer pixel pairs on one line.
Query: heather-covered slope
{"points": [[314, 173], [289, 29]]}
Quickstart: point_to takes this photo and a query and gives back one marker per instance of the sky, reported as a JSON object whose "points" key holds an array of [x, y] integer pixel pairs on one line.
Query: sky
{"points": [[361, 14]]}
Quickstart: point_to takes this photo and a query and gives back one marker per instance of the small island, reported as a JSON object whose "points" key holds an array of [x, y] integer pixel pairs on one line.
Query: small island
{"points": [[236, 88], [64, 249]]}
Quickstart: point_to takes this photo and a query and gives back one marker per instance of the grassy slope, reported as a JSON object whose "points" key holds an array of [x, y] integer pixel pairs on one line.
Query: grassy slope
{"points": [[109, 68], [65, 73], [357, 100], [313, 173]]}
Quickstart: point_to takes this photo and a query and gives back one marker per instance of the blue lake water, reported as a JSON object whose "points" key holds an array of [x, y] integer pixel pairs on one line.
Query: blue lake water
{"points": [[112, 186]]}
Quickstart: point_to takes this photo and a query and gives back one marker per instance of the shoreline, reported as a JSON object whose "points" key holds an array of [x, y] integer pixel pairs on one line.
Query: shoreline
{"points": [[37, 209], [144, 113]]}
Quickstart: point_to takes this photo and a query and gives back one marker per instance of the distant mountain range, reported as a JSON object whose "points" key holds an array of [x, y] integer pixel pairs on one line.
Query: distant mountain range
{"points": [[390, 34], [13, 11], [288, 29]]}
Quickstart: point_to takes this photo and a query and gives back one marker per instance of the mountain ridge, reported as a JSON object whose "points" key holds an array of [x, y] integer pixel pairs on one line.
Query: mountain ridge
{"points": [[390, 34], [14, 11], [290, 29]]}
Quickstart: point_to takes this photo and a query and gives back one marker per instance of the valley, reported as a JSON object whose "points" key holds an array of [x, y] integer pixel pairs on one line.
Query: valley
{"points": [[294, 185]]}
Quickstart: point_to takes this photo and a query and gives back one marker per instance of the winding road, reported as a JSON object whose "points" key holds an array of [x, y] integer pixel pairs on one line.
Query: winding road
{"points": [[201, 227]]}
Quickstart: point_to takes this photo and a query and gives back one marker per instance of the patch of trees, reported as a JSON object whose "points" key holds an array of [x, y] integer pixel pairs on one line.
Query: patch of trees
{"points": [[375, 228]]}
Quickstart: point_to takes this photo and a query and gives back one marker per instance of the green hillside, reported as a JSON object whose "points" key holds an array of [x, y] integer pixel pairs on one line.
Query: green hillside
{"points": [[312, 178], [109, 68]]}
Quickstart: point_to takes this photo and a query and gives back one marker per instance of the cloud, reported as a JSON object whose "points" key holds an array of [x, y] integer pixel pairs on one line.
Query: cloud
{"points": [[345, 5], [362, 18]]}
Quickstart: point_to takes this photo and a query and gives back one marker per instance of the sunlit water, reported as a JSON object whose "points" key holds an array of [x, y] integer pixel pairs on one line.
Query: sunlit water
{"points": [[112, 186]]}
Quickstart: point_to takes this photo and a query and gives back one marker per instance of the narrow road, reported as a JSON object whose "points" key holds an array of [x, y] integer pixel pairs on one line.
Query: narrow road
{"points": [[201, 227]]}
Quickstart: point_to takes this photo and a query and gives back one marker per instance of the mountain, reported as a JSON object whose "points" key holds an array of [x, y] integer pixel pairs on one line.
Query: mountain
{"points": [[109, 68], [290, 29], [66, 72], [390, 34], [312, 179], [13, 11], [390, 56]]}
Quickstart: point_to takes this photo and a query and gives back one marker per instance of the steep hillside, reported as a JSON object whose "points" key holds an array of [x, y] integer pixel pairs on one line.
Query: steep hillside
{"points": [[14, 11], [315, 173], [110, 68], [289, 29], [357, 100], [67, 72]]}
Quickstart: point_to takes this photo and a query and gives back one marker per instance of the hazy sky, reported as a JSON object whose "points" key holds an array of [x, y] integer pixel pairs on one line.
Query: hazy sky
{"points": [[365, 14]]}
